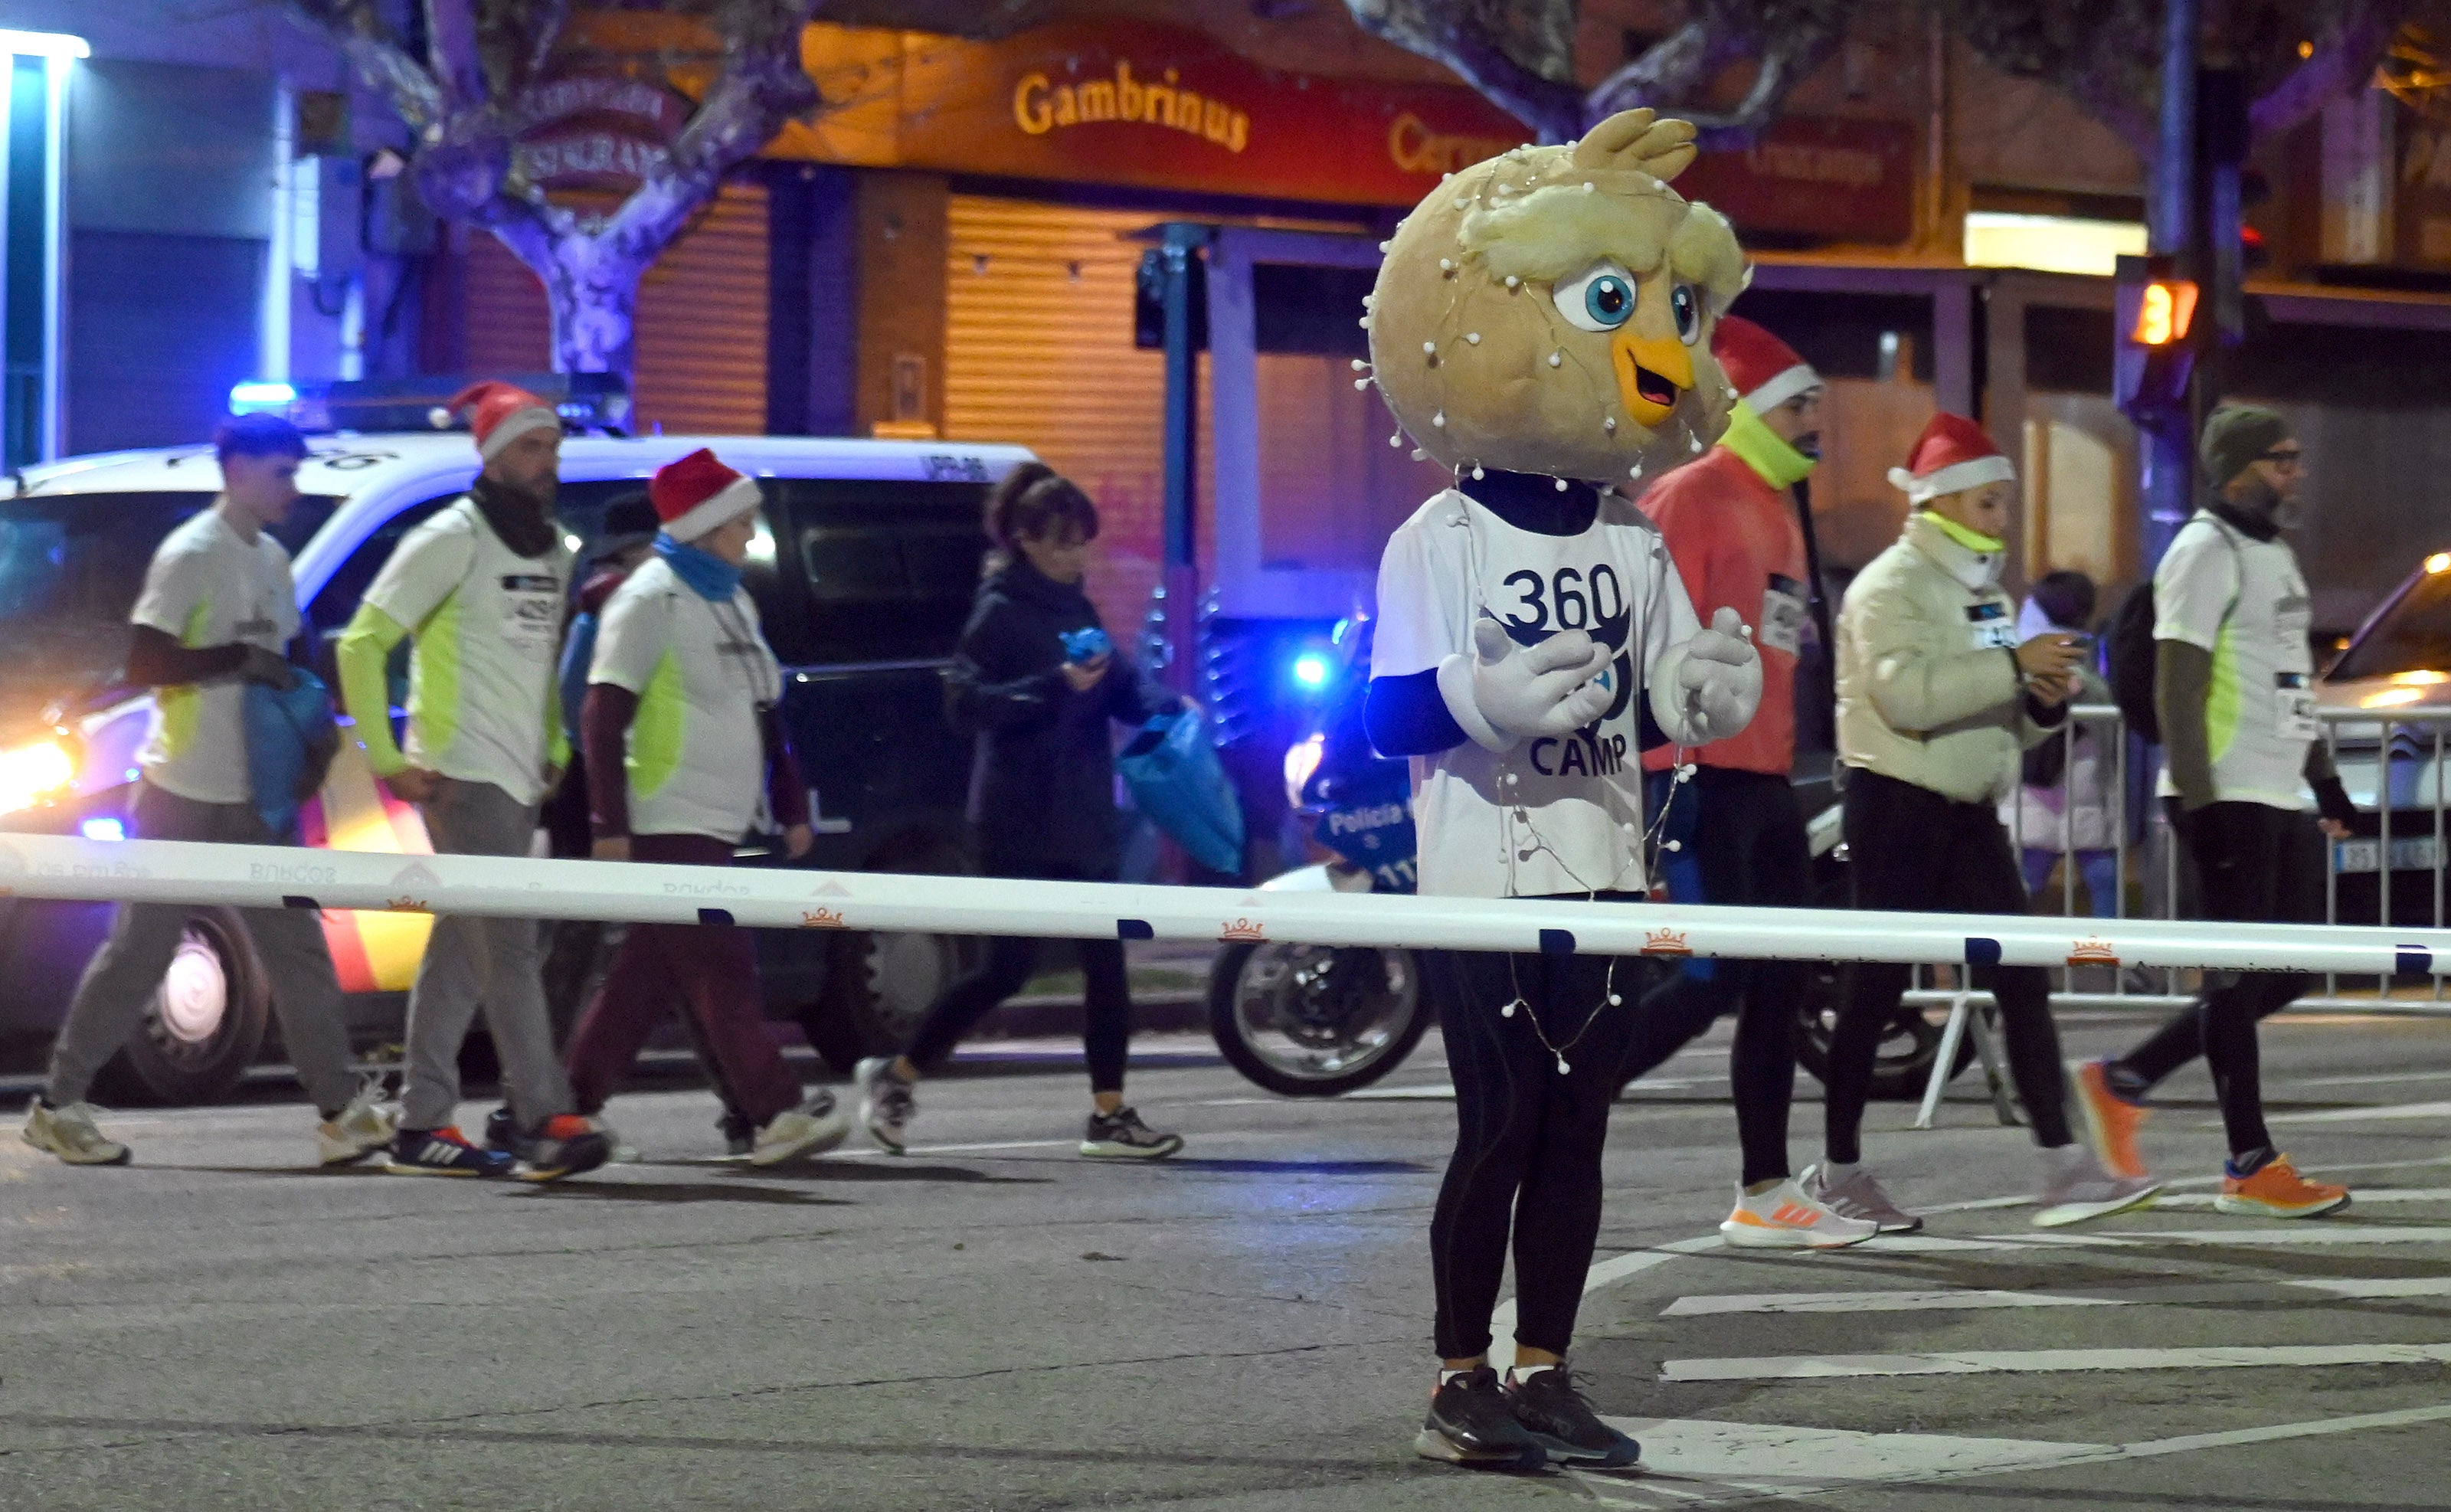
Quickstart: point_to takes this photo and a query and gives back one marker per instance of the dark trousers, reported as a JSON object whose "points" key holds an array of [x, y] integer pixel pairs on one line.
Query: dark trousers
{"points": [[1107, 1026], [1528, 1138], [1913, 850], [2253, 863], [1741, 841], [711, 970]]}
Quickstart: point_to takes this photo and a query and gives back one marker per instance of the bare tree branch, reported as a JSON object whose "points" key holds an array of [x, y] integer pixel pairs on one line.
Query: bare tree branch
{"points": [[451, 43], [2340, 64], [1452, 32], [357, 29]]}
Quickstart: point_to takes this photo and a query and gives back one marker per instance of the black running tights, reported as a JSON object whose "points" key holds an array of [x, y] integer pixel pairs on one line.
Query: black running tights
{"points": [[1105, 1030], [1909, 848], [1528, 1138]]}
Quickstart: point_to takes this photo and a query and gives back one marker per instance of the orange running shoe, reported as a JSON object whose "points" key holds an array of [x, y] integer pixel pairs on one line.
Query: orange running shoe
{"points": [[2276, 1190], [2111, 1121]]}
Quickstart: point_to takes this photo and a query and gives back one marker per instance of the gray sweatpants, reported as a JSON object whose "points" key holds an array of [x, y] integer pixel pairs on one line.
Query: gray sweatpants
{"points": [[496, 962], [123, 977]]}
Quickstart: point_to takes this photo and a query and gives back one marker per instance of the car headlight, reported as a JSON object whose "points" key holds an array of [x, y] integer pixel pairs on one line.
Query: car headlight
{"points": [[30, 774]]}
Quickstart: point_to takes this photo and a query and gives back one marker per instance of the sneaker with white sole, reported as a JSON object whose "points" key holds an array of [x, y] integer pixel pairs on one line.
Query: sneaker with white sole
{"points": [[502, 1133], [2076, 1187], [1785, 1218], [811, 1128], [1858, 1196], [68, 1132], [1121, 1135], [886, 1102], [363, 1128], [444, 1151]]}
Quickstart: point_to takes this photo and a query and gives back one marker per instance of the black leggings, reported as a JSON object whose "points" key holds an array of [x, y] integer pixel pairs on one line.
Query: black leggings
{"points": [[2252, 863], [1528, 1138], [1741, 841], [1106, 1028], [1913, 850]]}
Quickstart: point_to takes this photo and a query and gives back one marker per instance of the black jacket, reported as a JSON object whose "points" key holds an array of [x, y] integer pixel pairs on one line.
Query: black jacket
{"points": [[1042, 788]]}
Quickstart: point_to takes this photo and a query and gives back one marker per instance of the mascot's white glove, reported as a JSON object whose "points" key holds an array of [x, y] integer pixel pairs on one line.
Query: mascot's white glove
{"points": [[1503, 693], [1715, 684]]}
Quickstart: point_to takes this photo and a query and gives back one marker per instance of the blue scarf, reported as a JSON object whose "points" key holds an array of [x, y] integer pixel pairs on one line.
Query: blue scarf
{"points": [[712, 577]]}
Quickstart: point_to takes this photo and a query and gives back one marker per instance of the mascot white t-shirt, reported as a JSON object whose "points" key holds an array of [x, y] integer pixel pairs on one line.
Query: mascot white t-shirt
{"points": [[1552, 815]]}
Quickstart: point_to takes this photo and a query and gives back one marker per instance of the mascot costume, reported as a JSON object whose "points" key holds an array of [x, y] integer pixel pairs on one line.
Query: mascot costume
{"points": [[1541, 325]]}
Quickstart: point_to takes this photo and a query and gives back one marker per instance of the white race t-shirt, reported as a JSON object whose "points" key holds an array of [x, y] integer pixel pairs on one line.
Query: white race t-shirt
{"points": [[209, 587], [1553, 814], [2243, 600], [488, 628], [702, 671]]}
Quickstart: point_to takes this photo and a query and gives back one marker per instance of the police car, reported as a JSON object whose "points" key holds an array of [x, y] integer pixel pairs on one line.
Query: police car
{"points": [[863, 569]]}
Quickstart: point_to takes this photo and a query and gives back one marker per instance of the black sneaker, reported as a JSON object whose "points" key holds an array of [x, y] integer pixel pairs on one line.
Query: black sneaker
{"points": [[1558, 1418], [1121, 1135], [443, 1153], [1472, 1423], [565, 1145], [740, 1134]]}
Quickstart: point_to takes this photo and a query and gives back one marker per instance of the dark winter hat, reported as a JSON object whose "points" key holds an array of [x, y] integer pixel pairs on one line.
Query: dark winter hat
{"points": [[2235, 437]]}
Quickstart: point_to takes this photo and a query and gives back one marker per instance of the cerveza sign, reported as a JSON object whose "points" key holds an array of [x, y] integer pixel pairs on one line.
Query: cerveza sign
{"points": [[1040, 106]]}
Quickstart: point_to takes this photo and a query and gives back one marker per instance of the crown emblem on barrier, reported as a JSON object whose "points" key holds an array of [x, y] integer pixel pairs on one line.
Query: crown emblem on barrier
{"points": [[1243, 931], [407, 905], [2092, 951], [1665, 942], [822, 919]]}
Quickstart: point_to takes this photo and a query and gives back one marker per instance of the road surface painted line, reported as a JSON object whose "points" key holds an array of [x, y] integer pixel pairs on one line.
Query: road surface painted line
{"points": [[2371, 1079], [2376, 1285], [2362, 1197], [1998, 1362], [1606, 1272], [1876, 1302], [2380, 1112], [2305, 1231]]}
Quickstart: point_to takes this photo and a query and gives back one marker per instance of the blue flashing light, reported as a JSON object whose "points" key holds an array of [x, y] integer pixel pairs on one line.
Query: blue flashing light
{"points": [[1310, 670], [104, 827], [259, 394]]}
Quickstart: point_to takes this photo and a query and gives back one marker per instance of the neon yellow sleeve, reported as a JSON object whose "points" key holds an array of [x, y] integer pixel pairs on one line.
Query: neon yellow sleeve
{"points": [[365, 686], [557, 744]]}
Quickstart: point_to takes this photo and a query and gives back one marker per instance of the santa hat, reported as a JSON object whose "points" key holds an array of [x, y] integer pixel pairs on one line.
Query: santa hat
{"points": [[1951, 455], [502, 414], [697, 493], [1765, 371]]}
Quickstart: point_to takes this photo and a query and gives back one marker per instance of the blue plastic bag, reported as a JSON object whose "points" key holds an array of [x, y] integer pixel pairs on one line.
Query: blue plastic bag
{"points": [[291, 737], [1176, 779]]}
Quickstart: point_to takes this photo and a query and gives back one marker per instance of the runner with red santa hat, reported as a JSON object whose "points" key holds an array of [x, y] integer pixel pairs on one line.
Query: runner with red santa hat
{"points": [[684, 757], [479, 589], [1737, 538], [1937, 700]]}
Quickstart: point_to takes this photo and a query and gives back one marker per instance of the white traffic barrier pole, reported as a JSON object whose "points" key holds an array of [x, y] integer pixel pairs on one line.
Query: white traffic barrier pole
{"points": [[271, 876]]}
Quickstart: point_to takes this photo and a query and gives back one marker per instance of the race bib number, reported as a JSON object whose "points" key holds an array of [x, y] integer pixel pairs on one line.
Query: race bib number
{"points": [[1781, 625], [532, 611], [1990, 628], [2293, 708]]}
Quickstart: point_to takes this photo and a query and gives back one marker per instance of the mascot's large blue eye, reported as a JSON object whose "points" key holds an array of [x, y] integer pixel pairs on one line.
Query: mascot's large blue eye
{"points": [[1688, 310], [1599, 299]]}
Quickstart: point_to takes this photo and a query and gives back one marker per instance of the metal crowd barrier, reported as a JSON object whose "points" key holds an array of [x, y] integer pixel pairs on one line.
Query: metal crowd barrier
{"points": [[2390, 759]]}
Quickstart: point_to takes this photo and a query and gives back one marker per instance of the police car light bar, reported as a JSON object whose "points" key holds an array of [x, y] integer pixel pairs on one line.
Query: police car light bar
{"points": [[268, 877]]}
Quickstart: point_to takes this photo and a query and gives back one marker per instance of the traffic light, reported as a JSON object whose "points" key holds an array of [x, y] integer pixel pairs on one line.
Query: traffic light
{"points": [[2156, 315]]}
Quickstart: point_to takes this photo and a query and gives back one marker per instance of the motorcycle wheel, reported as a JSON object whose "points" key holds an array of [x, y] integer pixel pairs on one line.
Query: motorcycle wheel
{"points": [[1909, 1046], [1315, 1020]]}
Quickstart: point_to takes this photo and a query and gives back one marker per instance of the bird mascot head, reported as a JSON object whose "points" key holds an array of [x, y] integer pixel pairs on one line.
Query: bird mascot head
{"points": [[1550, 310]]}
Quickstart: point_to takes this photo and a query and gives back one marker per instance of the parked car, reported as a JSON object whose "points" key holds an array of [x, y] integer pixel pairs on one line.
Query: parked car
{"points": [[2386, 700], [863, 569]]}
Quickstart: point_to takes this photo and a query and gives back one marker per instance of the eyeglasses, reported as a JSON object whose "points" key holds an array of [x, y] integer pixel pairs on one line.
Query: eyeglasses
{"points": [[2284, 457]]}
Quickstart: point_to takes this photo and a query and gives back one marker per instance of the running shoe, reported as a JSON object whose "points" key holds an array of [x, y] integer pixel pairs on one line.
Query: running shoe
{"points": [[1858, 1196], [2078, 1188], [1121, 1135], [811, 1128], [1785, 1218], [739, 1136], [68, 1132], [359, 1130], [442, 1151], [566, 1146], [1472, 1422], [2110, 1120], [886, 1102], [1560, 1419], [2276, 1190], [502, 1133]]}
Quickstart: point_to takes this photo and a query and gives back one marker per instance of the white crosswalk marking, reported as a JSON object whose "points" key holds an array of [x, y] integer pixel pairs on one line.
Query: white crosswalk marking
{"points": [[1874, 1301], [1985, 1361], [2363, 1116]]}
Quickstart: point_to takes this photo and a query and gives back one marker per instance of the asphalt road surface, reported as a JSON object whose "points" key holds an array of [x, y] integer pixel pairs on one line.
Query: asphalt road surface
{"points": [[995, 1323]]}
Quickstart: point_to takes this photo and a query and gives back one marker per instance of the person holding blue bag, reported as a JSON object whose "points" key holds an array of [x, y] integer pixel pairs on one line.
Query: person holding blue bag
{"points": [[1037, 680]]}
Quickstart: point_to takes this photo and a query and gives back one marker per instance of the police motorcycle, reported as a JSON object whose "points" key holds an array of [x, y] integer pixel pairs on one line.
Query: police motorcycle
{"points": [[1318, 1020]]}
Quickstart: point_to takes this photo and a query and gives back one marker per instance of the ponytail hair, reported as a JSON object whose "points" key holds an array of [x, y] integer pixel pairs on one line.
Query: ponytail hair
{"points": [[1033, 502]]}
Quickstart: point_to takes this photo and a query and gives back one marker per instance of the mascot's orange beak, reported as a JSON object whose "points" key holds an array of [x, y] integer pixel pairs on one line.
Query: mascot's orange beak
{"points": [[1652, 373]]}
